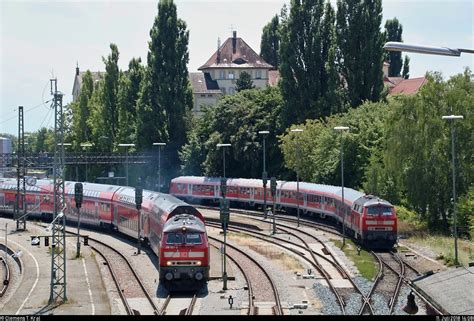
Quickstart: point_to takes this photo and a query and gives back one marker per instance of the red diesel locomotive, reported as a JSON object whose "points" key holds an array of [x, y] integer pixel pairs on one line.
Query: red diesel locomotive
{"points": [[369, 219], [175, 230]]}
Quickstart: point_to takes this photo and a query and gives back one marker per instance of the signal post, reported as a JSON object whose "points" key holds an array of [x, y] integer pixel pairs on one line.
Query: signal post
{"points": [[224, 217]]}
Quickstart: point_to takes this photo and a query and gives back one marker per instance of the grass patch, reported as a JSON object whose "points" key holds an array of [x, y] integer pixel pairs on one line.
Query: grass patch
{"points": [[364, 262], [443, 246], [273, 253]]}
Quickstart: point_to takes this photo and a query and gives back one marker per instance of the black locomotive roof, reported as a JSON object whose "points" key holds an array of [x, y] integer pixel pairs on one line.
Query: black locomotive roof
{"points": [[190, 222]]}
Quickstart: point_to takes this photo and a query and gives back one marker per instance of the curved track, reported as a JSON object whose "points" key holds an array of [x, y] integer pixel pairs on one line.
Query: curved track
{"points": [[6, 279], [183, 306], [127, 281], [260, 293]]}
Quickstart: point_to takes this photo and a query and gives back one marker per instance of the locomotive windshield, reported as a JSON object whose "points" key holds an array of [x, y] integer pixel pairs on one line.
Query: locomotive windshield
{"points": [[379, 210], [184, 238]]}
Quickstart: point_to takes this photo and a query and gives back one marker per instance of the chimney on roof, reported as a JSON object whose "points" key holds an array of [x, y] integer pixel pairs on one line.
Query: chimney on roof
{"points": [[234, 42], [77, 68]]}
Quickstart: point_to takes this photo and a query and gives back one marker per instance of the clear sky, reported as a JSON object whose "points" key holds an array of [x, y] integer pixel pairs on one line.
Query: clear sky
{"points": [[41, 39]]}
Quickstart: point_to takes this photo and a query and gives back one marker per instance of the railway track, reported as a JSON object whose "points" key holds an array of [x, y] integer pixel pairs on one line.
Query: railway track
{"points": [[398, 267], [6, 279], [133, 294], [178, 305], [262, 291], [314, 263]]}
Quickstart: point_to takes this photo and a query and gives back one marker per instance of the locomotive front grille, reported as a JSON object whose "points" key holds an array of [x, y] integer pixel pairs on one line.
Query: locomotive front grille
{"points": [[178, 263]]}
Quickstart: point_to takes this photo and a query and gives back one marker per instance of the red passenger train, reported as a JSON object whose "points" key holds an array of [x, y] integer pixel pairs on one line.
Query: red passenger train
{"points": [[369, 219], [174, 229]]}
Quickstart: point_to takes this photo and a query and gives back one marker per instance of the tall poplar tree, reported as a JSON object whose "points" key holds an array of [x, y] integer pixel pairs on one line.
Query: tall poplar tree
{"points": [[308, 74], [166, 94], [360, 48], [270, 42], [406, 68], [110, 94], [129, 89], [393, 32], [81, 131]]}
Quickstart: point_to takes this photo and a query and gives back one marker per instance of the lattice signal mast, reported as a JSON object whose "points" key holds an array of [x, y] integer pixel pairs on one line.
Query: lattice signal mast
{"points": [[20, 217], [58, 250]]}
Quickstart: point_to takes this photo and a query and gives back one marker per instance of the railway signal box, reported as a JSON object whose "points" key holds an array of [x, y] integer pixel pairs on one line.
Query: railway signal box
{"points": [[273, 185], [223, 186], [265, 178], [225, 213], [78, 194], [138, 197]]}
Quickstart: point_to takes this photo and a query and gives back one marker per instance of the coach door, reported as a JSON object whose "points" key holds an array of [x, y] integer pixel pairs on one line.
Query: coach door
{"points": [[115, 218], [190, 189]]}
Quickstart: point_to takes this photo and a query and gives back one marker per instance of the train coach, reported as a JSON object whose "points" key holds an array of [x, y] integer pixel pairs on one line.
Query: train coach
{"points": [[174, 229], [369, 219]]}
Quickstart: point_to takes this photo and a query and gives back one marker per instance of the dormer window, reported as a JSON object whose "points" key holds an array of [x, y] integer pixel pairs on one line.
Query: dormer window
{"points": [[240, 61]]}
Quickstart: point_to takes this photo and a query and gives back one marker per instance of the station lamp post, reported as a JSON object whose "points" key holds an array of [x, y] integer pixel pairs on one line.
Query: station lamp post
{"points": [[160, 145], [224, 213], [343, 208], [442, 51], [452, 118], [126, 160], [297, 130], [264, 133], [84, 146]]}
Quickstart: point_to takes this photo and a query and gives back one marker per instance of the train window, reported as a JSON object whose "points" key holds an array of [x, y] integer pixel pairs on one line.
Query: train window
{"points": [[174, 238], [372, 210], [386, 211], [193, 238]]}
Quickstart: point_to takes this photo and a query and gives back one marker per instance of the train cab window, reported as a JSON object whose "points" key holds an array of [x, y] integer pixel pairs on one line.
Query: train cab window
{"points": [[186, 238], [372, 210], [193, 238], [386, 211]]}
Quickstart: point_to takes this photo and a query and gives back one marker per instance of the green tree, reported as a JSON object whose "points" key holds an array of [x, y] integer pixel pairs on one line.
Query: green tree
{"points": [[270, 42], [129, 89], [317, 148], [308, 74], [236, 119], [416, 150], [81, 131], [244, 82], [360, 48], [393, 32], [167, 90], [109, 112], [466, 212], [406, 68]]}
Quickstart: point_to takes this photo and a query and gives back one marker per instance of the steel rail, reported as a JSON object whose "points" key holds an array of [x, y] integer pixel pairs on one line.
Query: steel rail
{"points": [[7, 277], [251, 309], [117, 283], [279, 308]]}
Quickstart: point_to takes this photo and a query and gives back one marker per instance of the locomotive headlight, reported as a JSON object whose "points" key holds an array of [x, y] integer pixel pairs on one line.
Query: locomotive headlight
{"points": [[169, 263], [198, 263]]}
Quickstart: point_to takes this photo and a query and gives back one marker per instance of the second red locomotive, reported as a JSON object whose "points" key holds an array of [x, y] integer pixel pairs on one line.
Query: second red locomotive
{"points": [[369, 219]]}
